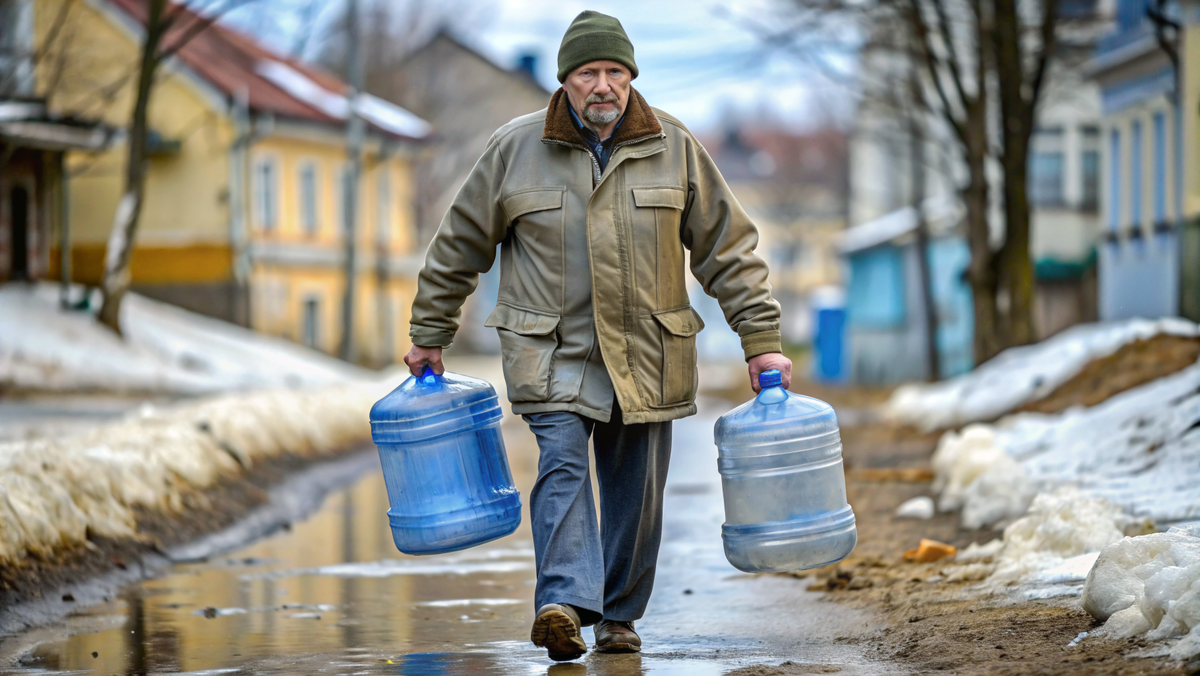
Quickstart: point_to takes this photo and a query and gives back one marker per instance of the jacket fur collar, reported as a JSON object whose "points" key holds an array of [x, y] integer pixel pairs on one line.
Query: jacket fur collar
{"points": [[640, 121]]}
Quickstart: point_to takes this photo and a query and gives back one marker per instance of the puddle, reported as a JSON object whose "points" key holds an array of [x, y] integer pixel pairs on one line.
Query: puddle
{"points": [[331, 595]]}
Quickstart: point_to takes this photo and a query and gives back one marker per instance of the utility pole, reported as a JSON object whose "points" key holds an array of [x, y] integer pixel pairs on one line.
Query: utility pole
{"points": [[354, 140]]}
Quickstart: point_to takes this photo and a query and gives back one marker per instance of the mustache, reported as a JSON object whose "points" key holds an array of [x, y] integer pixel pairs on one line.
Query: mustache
{"points": [[596, 98]]}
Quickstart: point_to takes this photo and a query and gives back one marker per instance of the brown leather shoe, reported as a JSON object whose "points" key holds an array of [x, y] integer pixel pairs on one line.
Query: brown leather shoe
{"points": [[617, 637], [556, 628]]}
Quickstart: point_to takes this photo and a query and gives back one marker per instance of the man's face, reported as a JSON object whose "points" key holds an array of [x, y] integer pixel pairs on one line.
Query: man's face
{"points": [[599, 91]]}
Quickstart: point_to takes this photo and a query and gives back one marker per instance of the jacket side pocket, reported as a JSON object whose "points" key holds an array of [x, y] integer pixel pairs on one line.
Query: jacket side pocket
{"points": [[679, 328], [527, 342]]}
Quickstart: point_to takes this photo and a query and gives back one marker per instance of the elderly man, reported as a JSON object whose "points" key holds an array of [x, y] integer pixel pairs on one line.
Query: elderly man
{"points": [[594, 202]]}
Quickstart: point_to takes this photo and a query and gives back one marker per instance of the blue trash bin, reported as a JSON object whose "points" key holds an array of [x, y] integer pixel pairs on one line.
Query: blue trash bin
{"points": [[829, 345]]}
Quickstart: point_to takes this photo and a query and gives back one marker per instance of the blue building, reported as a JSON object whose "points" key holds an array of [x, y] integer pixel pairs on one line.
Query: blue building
{"points": [[1149, 262], [885, 307]]}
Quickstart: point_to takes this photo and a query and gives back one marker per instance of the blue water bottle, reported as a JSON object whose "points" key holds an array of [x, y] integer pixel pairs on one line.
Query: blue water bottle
{"points": [[780, 458], [444, 465]]}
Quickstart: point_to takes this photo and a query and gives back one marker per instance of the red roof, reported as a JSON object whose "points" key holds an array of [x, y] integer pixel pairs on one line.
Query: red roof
{"points": [[229, 61]]}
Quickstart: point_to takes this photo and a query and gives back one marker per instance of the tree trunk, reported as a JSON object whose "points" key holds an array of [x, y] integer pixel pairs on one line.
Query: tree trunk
{"points": [[980, 274], [916, 131], [982, 271], [1014, 267], [120, 242]]}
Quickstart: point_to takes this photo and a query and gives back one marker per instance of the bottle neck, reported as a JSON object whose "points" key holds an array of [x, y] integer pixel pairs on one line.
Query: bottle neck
{"points": [[772, 395]]}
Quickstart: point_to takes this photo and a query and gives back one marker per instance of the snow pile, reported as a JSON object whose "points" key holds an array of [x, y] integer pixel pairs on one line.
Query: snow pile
{"points": [[1059, 527], [1140, 449], [1055, 543], [165, 350], [973, 473], [1020, 375], [55, 492], [1149, 584]]}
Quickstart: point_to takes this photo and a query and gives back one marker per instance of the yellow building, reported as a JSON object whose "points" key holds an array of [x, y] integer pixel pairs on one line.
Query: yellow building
{"points": [[243, 213]]}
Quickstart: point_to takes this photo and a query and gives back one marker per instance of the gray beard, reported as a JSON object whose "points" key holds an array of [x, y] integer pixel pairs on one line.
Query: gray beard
{"points": [[600, 117]]}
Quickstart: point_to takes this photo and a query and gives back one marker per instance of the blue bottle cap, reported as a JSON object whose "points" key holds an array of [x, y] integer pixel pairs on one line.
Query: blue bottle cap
{"points": [[772, 378]]}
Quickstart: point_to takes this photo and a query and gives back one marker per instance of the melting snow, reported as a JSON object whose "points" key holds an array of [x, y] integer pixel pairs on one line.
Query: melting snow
{"points": [[1149, 584], [1140, 450], [165, 350], [1020, 375], [54, 492]]}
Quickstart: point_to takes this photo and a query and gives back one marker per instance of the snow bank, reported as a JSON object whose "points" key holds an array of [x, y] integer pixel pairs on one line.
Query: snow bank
{"points": [[54, 492], [166, 350], [1049, 551], [972, 473], [1020, 375], [1149, 584], [1059, 527], [1140, 450]]}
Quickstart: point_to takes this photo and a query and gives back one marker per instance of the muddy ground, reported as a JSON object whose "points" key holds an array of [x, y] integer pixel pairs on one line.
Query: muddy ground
{"points": [[942, 625]]}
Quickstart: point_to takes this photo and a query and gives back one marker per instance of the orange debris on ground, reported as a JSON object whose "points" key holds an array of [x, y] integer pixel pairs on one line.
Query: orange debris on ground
{"points": [[930, 550]]}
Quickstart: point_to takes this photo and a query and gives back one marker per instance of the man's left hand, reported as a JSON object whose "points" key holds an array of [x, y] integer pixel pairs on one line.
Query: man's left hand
{"points": [[766, 362]]}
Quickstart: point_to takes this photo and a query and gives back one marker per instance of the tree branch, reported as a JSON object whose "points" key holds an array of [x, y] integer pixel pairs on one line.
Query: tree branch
{"points": [[933, 65], [1049, 42]]}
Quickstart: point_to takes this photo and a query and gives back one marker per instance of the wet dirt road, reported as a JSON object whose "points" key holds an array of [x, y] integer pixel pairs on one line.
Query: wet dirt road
{"points": [[332, 595]]}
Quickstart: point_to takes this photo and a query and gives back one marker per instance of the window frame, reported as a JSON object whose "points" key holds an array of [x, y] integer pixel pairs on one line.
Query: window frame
{"points": [[266, 193], [309, 197]]}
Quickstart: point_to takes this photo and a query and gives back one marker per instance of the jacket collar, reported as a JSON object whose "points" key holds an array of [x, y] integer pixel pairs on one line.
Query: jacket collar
{"points": [[639, 122]]}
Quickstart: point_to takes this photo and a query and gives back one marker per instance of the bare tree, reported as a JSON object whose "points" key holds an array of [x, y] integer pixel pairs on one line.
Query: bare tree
{"points": [[168, 28], [984, 65]]}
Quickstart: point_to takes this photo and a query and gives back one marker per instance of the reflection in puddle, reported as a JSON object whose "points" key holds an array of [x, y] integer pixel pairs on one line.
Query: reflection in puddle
{"points": [[391, 567]]}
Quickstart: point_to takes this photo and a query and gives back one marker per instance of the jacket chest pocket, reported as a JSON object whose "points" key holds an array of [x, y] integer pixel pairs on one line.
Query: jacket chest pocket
{"points": [[532, 262], [658, 250], [527, 343], [678, 329]]}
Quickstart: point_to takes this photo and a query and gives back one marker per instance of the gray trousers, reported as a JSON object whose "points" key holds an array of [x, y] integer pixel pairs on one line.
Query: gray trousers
{"points": [[606, 571]]}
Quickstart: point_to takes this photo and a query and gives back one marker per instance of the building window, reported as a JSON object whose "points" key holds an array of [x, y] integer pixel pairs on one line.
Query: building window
{"points": [[1114, 180], [311, 330], [1160, 167], [309, 186], [1090, 169], [383, 193], [1046, 167], [1135, 174], [266, 194], [1046, 179]]}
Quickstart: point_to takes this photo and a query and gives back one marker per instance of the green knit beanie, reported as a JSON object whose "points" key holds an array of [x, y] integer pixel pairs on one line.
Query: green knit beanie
{"points": [[593, 36]]}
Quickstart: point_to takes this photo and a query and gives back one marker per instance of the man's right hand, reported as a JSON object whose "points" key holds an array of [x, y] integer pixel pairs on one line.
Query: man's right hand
{"points": [[420, 357]]}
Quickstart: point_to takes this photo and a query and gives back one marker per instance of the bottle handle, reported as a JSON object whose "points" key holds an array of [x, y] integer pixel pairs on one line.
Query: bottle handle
{"points": [[428, 376]]}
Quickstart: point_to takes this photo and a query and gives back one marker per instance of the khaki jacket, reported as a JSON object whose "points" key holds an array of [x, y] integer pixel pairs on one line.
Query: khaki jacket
{"points": [[659, 195]]}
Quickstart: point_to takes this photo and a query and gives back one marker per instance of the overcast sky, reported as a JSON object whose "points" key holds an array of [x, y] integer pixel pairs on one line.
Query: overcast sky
{"points": [[695, 59]]}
